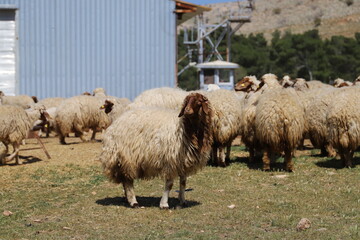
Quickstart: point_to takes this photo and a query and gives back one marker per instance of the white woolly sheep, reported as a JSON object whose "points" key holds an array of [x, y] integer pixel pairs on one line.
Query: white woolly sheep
{"points": [[316, 119], [279, 123], [357, 81], [247, 127], [99, 92], [226, 122], [339, 83], [343, 122], [15, 123], [79, 114], [144, 143], [50, 102], [313, 84], [160, 97], [23, 101], [212, 87]]}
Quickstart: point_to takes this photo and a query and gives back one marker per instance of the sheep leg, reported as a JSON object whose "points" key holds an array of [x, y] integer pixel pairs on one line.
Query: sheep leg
{"points": [[228, 151], [330, 151], [81, 136], [93, 134], [251, 154], [16, 147], [165, 197], [130, 194], [266, 160], [62, 139], [347, 158], [182, 192], [214, 155], [289, 166], [221, 158]]}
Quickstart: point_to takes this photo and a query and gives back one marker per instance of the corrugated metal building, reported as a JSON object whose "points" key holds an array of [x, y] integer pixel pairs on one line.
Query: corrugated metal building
{"points": [[65, 47]]}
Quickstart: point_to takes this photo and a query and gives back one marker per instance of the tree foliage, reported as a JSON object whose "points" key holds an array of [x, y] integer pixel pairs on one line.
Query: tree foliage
{"points": [[298, 55]]}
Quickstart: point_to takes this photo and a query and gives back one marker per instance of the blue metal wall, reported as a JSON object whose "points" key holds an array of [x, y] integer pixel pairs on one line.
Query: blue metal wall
{"points": [[66, 47]]}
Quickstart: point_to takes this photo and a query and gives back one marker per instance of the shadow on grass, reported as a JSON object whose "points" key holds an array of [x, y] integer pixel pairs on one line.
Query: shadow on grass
{"points": [[277, 166], [143, 201], [28, 160], [336, 163]]}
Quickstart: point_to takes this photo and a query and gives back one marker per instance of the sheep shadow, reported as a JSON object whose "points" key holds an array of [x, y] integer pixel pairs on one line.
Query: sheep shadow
{"points": [[336, 163], [146, 202], [277, 166], [29, 160]]}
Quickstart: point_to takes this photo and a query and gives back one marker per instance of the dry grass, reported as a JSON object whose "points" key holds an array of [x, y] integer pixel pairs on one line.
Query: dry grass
{"points": [[67, 197]]}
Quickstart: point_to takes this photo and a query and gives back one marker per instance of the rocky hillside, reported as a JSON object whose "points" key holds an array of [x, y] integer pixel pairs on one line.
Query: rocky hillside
{"points": [[330, 17]]}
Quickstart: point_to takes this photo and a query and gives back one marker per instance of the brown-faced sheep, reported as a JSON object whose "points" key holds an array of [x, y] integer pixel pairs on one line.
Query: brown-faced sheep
{"points": [[115, 108], [15, 124], [162, 143], [79, 114]]}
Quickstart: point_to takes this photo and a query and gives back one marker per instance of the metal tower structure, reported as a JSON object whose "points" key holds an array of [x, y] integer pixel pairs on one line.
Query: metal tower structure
{"points": [[196, 37]]}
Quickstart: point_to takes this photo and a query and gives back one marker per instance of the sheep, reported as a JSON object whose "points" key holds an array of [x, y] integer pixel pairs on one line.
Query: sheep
{"points": [[343, 122], [79, 114], [279, 123], [144, 143], [97, 92], [357, 81], [314, 84], [316, 118], [23, 101], [51, 102], [15, 123], [226, 122], [212, 87], [115, 108], [339, 83], [250, 85], [162, 97]]}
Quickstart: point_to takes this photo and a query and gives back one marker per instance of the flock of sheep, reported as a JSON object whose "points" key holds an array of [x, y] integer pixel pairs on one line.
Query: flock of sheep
{"points": [[171, 133]]}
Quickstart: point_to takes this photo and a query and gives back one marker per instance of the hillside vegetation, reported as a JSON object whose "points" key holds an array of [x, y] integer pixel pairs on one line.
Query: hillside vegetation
{"points": [[329, 17]]}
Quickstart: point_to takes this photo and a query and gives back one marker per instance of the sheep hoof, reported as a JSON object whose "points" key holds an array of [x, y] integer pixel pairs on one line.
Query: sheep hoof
{"points": [[62, 142], [165, 208], [135, 205]]}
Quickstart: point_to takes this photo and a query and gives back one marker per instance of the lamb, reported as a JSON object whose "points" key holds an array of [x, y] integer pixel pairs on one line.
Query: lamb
{"points": [[15, 124], [344, 123], [24, 101], [162, 143], [115, 108], [226, 122], [279, 123], [79, 114]]}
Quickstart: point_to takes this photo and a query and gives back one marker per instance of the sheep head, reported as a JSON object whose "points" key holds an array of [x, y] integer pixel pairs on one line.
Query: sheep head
{"points": [[86, 94], [108, 106], [193, 104], [244, 85]]}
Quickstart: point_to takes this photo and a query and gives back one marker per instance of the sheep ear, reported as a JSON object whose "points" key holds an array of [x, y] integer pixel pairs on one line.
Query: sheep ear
{"points": [[260, 86], [46, 115], [183, 107], [205, 106]]}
